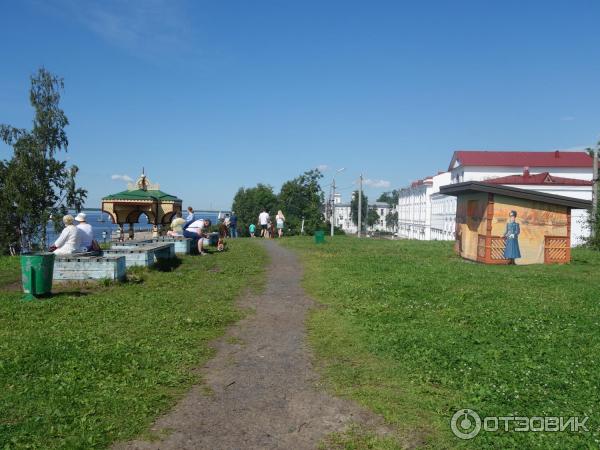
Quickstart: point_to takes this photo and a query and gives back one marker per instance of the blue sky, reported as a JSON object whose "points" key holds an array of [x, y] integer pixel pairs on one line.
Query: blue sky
{"points": [[209, 96]]}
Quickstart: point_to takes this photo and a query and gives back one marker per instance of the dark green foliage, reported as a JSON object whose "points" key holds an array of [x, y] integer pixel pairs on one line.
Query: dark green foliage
{"points": [[95, 365], [391, 220], [302, 197], [594, 222], [391, 198], [36, 184], [415, 333], [248, 204], [299, 198], [354, 208], [372, 217]]}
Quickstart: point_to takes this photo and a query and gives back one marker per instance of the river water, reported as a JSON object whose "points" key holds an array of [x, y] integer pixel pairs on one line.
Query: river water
{"points": [[101, 222]]}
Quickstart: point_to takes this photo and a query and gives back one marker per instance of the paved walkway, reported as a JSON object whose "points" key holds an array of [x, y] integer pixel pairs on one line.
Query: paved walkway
{"points": [[264, 389]]}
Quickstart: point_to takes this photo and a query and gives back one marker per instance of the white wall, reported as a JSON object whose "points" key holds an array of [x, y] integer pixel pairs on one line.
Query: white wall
{"points": [[424, 213], [475, 173]]}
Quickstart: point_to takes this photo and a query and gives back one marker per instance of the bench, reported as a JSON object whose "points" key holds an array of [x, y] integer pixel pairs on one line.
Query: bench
{"points": [[81, 267], [142, 255], [183, 246]]}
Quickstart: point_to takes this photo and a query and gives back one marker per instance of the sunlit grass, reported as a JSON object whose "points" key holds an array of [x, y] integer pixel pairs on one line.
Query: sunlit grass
{"points": [[81, 371], [415, 333]]}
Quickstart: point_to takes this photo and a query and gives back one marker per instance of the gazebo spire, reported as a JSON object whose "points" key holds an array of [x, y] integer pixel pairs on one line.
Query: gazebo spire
{"points": [[143, 184]]}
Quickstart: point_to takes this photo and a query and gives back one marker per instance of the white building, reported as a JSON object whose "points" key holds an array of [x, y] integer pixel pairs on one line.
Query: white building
{"points": [[415, 208], [343, 216], [426, 214]]}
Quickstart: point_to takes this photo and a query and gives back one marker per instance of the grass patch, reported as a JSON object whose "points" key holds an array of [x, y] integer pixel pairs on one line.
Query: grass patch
{"points": [[415, 333], [85, 371], [10, 271]]}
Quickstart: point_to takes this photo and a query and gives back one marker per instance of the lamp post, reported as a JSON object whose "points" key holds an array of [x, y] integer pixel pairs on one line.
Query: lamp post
{"points": [[332, 221]]}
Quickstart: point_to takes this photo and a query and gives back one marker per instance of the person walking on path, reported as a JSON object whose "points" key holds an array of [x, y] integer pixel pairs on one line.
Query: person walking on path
{"points": [[233, 225], [252, 229], [263, 220], [280, 221]]}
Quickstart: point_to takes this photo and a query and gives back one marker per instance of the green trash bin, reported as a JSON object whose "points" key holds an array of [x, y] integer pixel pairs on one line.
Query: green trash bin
{"points": [[319, 237], [36, 274]]}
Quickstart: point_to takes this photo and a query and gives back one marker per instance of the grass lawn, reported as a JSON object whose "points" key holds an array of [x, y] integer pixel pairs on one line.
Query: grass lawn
{"points": [[415, 333], [10, 272], [89, 367]]}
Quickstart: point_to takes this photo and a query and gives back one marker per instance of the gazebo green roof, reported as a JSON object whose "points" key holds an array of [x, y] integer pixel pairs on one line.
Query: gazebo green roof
{"points": [[141, 194]]}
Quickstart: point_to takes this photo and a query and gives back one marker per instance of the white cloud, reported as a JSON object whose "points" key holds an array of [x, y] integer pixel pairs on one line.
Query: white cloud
{"points": [[322, 167], [379, 184], [145, 27], [126, 178]]}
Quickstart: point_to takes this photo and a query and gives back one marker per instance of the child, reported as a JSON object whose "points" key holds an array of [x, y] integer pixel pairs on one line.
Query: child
{"points": [[222, 235], [252, 229]]}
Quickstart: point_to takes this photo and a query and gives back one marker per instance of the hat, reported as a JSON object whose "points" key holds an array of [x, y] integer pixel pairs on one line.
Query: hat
{"points": [[80, 217]]}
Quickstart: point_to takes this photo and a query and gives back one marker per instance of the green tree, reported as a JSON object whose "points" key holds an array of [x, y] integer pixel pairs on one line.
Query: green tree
{"points": [[300, 198], [354, 208], [38, 185], [391, 220], [249, 202], [390, 197], [594, 222], [372, 217]]}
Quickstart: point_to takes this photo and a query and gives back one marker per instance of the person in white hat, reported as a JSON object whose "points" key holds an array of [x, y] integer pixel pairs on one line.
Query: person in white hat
{"points": [[86, 232]]}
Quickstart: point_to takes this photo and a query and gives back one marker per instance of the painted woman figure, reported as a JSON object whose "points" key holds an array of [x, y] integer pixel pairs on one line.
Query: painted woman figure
{"points": [[511, 251]]}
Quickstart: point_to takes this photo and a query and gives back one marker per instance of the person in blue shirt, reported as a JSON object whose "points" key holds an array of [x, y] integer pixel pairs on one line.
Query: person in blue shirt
{"points": [[233, 225], [190, 216], [512, 251]]}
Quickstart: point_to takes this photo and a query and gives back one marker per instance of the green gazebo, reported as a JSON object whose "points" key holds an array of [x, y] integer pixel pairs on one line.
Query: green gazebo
{"points": [[141, 197]]}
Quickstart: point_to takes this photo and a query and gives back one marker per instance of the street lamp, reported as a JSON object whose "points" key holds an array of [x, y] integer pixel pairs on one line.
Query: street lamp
{"points": [[332, 221]]}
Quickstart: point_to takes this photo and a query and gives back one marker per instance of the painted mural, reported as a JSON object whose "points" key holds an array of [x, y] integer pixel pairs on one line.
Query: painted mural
{"points": [[543, 228]]}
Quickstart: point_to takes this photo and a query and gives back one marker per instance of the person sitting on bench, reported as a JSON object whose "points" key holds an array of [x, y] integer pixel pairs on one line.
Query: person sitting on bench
{"points": [[88, 244], [69, 241]]}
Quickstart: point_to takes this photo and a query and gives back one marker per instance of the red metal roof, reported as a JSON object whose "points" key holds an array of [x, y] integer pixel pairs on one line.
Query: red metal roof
{"points": [[521, 159], [538, 178], [427, 180]]}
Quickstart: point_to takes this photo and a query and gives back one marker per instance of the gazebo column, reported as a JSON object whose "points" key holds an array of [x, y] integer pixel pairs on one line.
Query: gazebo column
{"points": [[131, 234], [121, 233]]}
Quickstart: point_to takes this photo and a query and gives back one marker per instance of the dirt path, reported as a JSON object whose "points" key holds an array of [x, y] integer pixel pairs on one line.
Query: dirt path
{"points": [[264, 389]]}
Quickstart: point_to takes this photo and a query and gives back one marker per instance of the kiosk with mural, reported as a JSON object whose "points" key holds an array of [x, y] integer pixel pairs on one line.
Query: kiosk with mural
{"points": [[498, 224]]}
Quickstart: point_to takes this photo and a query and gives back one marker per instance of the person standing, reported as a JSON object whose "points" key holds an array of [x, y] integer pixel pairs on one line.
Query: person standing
{"points": [[233, 225], [263, 220], [279, 221], [252, 229], [190, 216]]}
